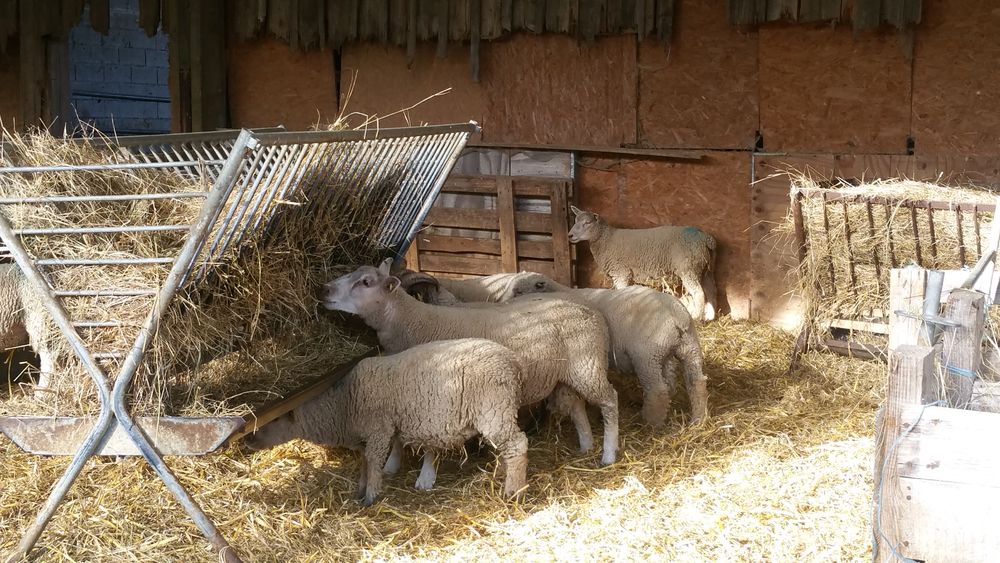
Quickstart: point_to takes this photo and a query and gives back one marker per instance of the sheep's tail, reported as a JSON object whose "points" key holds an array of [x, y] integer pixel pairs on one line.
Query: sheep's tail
{"points": [[712, 246]]}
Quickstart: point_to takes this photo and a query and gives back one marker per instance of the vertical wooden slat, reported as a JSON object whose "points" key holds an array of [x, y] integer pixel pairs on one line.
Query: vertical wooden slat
{"points": [[782, 9], [866, 14], [665, 18], [850, 251], [411, 31], [100, 15], [507, 15], [916, 234], [31, 75], [508, 228], [73, 9], [443, 19], [906, 293], [962, 351], [892, 247], [208, 65], [561, 255], [799, 226], [979, 236], [412, 255], [149, 16], [961, 237], [871, 236], [180, 65], [933, 235], [475, 29], [829, 244]]}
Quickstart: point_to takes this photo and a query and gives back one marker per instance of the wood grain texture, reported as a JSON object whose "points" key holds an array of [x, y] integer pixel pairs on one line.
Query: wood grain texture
{"points": [[822, 89], [702, 90], [713, 195], [269, 84], [582, 95], [955, 107]]}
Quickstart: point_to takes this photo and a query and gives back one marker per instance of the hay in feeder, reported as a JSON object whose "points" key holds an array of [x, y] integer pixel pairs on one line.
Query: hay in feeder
{"points": [[781, 471], [852, 243], [261, 290]]}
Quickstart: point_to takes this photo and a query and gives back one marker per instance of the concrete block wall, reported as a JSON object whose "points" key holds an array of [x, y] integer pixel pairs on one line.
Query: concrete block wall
{"points": [[119, 81]]}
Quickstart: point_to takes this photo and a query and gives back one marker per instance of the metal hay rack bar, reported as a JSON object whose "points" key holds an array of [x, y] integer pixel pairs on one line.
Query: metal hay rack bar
{"points": [[259, 180]]}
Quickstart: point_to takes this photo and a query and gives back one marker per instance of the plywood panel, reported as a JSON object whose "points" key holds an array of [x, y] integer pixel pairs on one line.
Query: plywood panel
{"points": [[713, 195], [773, 259], [956, 109], [702, 90], [269, 84], [824, 90], [583, 94], [9, 106], [386, 85]]}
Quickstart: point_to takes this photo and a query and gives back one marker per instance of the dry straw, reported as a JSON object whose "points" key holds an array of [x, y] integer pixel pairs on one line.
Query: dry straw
{"points": [[254, 303], [780, 472]]}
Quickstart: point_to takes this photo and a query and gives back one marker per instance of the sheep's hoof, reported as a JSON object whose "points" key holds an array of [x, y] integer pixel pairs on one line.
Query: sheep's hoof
{"points": [[608, 458], [368, 499], [424, 484]]}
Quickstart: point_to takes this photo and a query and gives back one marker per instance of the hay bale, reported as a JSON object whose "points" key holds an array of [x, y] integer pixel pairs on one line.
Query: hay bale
{"points": [[260, 290]]}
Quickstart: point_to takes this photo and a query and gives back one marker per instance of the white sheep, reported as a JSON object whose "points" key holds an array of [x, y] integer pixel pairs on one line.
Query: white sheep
{"points": [[634, 255], [483, 289], [558, 342], [434, 396], [23, 319], [649, 331]]}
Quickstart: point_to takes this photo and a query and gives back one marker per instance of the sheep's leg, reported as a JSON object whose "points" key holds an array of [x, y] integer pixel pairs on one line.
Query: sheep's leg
{"points": [[44, 369], [395, 460], [692, 285], [363, 479], [695, 382], [656, 393], [514, 453], [605, 397], [428, 474], [711, 294], [567, 402], [376, 451]]}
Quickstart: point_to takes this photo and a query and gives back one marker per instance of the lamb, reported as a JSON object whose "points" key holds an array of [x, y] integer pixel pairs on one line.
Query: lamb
{"points": [[557, 342], [485, 289], [650, 331], [23, 318], [434, 396], [630, 255]]}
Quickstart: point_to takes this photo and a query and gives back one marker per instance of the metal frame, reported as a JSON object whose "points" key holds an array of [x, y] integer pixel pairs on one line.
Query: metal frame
{"points": [[258, 171]]}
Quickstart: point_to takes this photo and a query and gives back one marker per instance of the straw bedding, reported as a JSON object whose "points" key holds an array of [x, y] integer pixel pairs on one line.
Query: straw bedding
{"points": [[780, 472], [252, 304]]}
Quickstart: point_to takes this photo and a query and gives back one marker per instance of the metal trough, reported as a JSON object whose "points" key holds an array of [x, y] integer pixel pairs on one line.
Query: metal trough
{"points": [[253, 174]]}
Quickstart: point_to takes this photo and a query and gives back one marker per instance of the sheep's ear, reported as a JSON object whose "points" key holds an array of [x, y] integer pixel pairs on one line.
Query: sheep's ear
{"points": [[539, 285], [391, 284], [385, 266], [576, 210]]}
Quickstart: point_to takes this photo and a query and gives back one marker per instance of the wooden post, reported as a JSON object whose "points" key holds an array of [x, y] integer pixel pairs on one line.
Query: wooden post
{"points": [[412, 255], [562, 260], [961, 355], [909, 366], [508, 228], [906, 293]]}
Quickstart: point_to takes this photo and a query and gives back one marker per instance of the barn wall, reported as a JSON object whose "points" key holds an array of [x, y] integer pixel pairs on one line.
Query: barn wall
{"points": [[9, 104], [956, 106], [269, 85]]}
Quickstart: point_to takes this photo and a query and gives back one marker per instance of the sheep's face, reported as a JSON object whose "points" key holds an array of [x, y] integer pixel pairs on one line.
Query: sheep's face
{"points": [[528, 282], [276, 432], [361, 291], [586, 227]]}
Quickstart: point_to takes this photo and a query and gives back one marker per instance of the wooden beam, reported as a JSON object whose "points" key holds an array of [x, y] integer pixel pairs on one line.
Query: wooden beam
{"points": [[508, 226], [962, 350], [673, 154], [906, 293], [486, 219], [563, 263]]}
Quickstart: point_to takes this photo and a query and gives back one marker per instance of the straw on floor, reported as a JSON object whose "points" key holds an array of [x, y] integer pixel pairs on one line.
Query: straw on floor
{"points": [[780, 472]]}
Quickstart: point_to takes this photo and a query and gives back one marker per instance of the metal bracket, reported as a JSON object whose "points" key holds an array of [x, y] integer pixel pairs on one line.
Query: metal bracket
{"points": [[931, 319]]}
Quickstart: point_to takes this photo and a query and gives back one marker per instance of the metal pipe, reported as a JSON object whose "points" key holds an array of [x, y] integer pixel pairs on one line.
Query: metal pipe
{"points": [[118, 292], [185, 260], [978, 269], [104, 419], [432, 166], [92, 198], [98, 324], [101, 167], [102, 230], [932, 303], [301, 137], [101, 261]]}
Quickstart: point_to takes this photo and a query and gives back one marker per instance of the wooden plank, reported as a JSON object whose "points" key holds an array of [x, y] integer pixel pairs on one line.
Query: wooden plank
{"points": [[459, 265], [985, 396], [525, 248], [149, 16], [100, 15], [947, 445], [854, 349], [784, 9], [948, 522], [412, 255], [908, 366], [906, 293], [962, 352], [486, 219], [560, 234], [867, 14], [180, 65], [874, 328], [475, 35], [675, 154], [508, 228]]}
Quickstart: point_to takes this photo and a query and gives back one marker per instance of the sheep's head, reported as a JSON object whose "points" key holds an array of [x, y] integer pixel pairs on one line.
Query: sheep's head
{"points": [[528, 282], [278, 431], [587, 226], [361, 291]]}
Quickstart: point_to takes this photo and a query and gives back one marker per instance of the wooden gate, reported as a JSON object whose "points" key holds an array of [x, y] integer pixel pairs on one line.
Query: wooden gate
{"points": [[501, 239]]}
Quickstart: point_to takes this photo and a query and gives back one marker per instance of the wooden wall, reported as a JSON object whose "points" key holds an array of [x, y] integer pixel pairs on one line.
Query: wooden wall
{"points": [[9, 98]]}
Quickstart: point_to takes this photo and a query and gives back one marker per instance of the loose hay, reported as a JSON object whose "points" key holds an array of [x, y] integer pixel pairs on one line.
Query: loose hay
{"points": [[261, 291], [825, 280], [780, 472]]}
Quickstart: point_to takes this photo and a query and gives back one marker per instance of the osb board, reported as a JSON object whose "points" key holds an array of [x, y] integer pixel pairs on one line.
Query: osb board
{"points": [[9, 93], [824, 90], [983, 171], [269, 84], [552, 89], [386, 85], [713, 195], [701, 89], [956, 109], [772, 257]]}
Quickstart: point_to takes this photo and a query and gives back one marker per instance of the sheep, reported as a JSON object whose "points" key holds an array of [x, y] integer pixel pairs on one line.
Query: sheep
{"points": [[558, 342], [23, 319], [630, 255], [484, 289], [650, 331], [434, 396]]}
